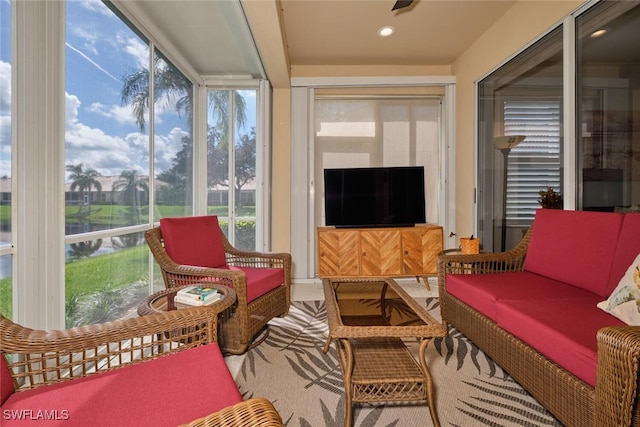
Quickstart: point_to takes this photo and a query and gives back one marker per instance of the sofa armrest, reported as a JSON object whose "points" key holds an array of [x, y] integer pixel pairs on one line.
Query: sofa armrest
{"points": [[617, 376], [451, 261], [40, 357], [256, 412]]}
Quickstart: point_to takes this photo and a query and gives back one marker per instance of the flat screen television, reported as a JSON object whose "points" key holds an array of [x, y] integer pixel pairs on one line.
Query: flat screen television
{"points": [[374, 197]]}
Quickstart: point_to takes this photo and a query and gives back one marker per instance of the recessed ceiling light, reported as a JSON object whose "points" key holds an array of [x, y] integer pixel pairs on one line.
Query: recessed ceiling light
{"points": [[598, 33], [385, 31]]}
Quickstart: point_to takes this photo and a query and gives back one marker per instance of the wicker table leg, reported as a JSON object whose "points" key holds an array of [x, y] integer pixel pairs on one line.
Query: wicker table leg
{"points": [[348, 387], [431, 398]]}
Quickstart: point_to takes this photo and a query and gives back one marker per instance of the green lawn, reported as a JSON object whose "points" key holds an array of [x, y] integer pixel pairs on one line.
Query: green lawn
{"points": [[123, 269], [89, 276]]}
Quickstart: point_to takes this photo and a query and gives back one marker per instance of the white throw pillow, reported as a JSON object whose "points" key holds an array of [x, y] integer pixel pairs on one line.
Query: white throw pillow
{"points": [[624, 302]]}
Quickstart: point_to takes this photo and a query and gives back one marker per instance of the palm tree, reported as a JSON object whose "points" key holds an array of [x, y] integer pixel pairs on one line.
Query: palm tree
{"points": [[83, 180], [130, 184], [172, 87]]}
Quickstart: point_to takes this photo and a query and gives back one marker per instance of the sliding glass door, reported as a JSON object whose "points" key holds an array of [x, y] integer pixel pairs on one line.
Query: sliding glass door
{"points": [[608, 107], [521, 101]]}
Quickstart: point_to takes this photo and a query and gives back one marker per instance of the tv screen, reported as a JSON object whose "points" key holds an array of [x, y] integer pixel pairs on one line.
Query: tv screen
{"points": [[374, 197]]}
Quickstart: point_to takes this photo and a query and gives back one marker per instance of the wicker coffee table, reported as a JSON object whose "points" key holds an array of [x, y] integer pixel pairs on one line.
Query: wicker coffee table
{"points": [[370, 319]]}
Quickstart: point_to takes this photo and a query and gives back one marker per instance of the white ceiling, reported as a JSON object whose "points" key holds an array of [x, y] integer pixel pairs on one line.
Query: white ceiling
{"points": [[344, 32], [213, 36]]}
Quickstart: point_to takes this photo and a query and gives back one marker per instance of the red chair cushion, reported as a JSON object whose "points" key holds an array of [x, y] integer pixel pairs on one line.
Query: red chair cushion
{"points": [[574, 247], [6, 382], [195, 240], [167, 391], [261, 280]]}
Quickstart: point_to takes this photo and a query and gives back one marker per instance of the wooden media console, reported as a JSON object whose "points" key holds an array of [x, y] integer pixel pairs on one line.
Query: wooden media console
{"points": [[379, 252]]}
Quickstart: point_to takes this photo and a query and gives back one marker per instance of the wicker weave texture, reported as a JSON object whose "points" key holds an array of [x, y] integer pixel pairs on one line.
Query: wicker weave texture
{"points": [[256, 412], [244, 320]]}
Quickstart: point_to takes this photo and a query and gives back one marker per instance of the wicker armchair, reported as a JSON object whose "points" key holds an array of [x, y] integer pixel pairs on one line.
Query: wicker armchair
{"points": [[246, 318], [42, 357], [37, 358]]}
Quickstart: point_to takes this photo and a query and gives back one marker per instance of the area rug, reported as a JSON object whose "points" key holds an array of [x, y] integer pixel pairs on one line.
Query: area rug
{"points": [[305, 385]]}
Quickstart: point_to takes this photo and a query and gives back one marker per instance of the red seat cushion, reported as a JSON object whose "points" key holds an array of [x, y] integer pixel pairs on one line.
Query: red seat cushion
{"points": [[484, 291], [564, 330], [574, 247], [168, 391], [195, 240], [261, 280], [6, 382]]}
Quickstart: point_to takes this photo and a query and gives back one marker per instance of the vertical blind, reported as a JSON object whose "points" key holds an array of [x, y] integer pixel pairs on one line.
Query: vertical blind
{"points": [[535, 164]]}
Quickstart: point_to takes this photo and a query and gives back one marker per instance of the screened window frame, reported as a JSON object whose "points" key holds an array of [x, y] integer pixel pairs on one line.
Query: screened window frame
{"points": [[38, 301]]}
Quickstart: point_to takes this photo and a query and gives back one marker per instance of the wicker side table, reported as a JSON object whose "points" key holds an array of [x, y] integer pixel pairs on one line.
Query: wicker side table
{"points": [[163, 301]]}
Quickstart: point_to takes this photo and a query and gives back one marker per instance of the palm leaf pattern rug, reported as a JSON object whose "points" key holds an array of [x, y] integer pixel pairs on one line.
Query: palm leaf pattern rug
{"points": [[305, 384]]}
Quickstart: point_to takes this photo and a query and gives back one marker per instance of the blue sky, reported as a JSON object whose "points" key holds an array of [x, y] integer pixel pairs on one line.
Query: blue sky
{"points": [[100, 132], [5, 88]]}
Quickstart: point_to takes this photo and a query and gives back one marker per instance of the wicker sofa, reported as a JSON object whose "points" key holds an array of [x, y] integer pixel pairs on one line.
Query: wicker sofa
{"points": [[157, 370], [533, 310]]}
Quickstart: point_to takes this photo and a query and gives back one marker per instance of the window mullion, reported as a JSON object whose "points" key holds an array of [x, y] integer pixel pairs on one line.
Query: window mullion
{"points": [[38, 146]]}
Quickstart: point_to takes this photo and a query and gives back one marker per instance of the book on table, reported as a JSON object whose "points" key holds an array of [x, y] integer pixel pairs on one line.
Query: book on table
{"points": [[198, 293], [178, 299]]}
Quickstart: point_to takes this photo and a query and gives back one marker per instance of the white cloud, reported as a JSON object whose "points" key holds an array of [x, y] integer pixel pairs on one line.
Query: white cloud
{"points": [[134, 47], [166, 148], [109, 154], [96, 6], [123, 114], [5, 88], [5, 145]]}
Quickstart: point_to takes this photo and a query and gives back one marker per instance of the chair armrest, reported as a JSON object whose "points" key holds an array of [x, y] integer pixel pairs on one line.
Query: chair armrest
{"points": [[240, 258], [39, 357], [256, 412], [617, 376]]}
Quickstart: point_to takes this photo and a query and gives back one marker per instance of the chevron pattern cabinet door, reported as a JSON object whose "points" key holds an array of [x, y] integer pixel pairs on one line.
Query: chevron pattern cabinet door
{"points": [[380, 252], [338, 253], [420, 248]]}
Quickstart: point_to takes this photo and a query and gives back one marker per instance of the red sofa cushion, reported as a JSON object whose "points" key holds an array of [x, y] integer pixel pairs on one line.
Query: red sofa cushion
{"points": [[194, 240], [483, 291], [564, 330], [261, 280], [627, 250], [574, 247], [167, 391]]}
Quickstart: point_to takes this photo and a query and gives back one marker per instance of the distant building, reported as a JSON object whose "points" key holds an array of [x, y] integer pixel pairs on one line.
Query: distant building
{"points": [[217, 195]]}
